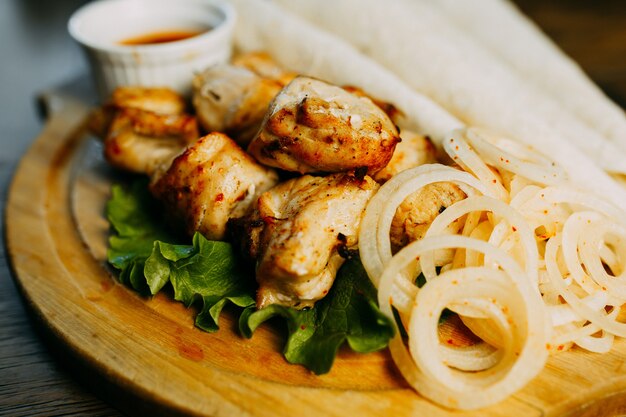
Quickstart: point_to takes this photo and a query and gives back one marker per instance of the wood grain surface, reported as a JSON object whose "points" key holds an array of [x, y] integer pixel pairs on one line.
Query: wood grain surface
{"points": [[57, 240], [34, 383]]}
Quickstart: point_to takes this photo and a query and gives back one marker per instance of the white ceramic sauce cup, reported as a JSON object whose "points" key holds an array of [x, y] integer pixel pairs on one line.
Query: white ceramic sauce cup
{"points": [[100, 27]]}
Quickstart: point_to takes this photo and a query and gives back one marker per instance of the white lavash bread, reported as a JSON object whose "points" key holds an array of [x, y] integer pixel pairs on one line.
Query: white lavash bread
{"points": [[303, 48], [437, 59], [501, 27], [420, 45], [425, 50], [300, 46]]}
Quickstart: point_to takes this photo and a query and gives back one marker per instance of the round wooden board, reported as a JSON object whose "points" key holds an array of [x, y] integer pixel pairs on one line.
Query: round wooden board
{"points": [[56, 236]]}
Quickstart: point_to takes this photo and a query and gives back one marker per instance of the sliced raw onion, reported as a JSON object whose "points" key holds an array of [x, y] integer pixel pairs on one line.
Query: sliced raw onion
{"points": [[374, 242], [506, 154], [515, 311], [532, 266]]}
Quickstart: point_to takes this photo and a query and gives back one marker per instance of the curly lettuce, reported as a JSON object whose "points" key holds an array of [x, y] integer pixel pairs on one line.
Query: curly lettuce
{"points": [[209, 274]]}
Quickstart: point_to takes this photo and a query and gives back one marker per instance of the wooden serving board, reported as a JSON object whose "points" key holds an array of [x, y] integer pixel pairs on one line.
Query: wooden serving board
{"points": [[56, 236]]}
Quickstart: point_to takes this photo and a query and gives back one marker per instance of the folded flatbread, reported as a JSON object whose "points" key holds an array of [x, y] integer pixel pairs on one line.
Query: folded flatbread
{"points": [[303, 48], [430, 54], [516, 40], [436, 65]]}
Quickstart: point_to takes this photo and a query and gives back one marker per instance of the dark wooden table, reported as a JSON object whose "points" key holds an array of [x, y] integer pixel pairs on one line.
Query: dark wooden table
{"points": [[36, 377]]}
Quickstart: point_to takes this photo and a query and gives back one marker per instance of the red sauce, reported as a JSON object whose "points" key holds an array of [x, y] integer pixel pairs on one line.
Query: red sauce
{"points": [[190, 350], [161, 37]]}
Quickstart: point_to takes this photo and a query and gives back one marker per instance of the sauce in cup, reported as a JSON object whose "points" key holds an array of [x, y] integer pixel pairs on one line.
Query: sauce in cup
{"points": [[152, 43], [161, 37]]}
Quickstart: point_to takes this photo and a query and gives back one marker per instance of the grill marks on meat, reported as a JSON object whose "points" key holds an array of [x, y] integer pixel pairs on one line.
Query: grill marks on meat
{"points": [[417, 211], [156, 100], [313, 127], [413, 151], [392, 111], [299, 226], [210, 182], [297, 232], [143, 128], [141, 141], [234, 98], [264, 66]]}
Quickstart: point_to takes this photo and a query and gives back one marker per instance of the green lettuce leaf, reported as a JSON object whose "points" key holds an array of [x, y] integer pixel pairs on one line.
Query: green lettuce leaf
{"points": [[348, 313], [136, 226], [204, 272], [208, 274]]}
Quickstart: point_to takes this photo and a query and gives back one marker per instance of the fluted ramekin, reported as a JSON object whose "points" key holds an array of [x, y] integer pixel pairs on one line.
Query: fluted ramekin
{"points": [[100, 26]]}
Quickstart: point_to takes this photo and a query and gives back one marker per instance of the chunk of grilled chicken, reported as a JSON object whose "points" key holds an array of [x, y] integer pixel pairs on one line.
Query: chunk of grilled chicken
{"points": [[312, 126], [417, 211], [232, 99], [155, 100], [264, 66], [392, 111], [211, 181], [413, 151], [141, 141], [143, 128], [297, 231]]}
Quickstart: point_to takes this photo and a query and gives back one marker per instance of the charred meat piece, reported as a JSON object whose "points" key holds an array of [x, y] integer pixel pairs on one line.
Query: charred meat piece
{"points": [[418, 211], [264, 66], [312, 127], [232, 100], [155, 100], [298, 231], [141, 141], [143, 128], [392, 111], [413, 151], [210, 182]]}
